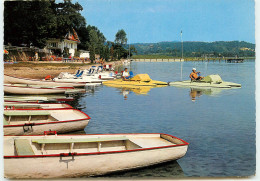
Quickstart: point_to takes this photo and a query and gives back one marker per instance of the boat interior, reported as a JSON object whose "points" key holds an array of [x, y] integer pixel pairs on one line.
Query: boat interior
{"points": [[33, 106], [13, 117], [46, 145]]}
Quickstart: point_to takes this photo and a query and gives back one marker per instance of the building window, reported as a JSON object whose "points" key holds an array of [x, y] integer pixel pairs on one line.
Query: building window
{"points": [[53, 44]]}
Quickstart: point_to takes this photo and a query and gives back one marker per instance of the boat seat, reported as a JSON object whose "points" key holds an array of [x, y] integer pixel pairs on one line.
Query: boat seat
{"points": [[22, 105], [23, 147], [5, 122], [80, 140], [26, 113]]}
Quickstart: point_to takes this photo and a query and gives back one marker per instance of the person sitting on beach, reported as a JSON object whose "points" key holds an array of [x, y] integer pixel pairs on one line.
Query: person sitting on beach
{"points": [[195, 75], [125, 74]]}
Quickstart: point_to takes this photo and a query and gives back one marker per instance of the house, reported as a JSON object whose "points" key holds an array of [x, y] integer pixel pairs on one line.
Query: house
{"points": [[70, 41]]}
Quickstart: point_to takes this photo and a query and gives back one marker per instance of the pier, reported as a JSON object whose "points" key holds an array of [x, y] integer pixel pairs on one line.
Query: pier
{"points": [[226, 59], [158, 60]]}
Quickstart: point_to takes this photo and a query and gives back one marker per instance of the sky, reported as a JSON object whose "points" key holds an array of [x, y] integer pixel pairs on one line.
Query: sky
{"points": [[151, 21]]}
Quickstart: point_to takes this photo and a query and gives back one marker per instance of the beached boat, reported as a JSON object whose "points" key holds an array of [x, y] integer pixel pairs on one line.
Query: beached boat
{"points": [[61, 156], [35, 98], [138, 80], [88, 76], [208, 81], [33, 90], [16, 80], [98, 72], [25, 105], [85, 79], [36, 121]]}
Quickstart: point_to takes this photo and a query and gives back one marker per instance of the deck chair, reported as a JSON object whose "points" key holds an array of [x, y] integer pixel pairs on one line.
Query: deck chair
{"points": [[80, 74], [77, 73], [131, 75]]}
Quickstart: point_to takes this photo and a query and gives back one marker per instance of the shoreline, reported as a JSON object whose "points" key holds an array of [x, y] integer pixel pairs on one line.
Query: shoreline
{"points": [[40, 70]]}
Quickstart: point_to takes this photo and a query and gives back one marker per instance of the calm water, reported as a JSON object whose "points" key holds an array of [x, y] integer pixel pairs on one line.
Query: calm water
{"points": [[218, 124]]}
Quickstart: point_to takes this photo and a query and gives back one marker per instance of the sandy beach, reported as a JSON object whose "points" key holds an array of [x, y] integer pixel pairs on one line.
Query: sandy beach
{"points": [[41, 70]]}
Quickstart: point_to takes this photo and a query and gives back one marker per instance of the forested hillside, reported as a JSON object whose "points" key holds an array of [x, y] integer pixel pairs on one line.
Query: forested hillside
{"points": [[198, 49]]}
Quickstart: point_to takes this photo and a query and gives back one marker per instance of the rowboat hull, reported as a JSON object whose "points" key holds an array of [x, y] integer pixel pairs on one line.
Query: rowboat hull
{"points": [[36, 121], [38, 129], [16, 80], [88, 164], [8, 89], [34, 99]]}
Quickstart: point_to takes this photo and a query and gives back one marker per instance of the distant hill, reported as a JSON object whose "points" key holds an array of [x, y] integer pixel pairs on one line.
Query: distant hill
{"points": [[197, 49]]}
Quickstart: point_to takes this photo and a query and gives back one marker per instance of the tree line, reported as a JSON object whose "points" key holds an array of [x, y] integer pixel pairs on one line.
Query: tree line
{"points": [[198, 49], [32, 23]]}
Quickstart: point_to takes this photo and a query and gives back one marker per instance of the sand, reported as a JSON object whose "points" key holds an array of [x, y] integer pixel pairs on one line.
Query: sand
{"points": [[41, 70]]}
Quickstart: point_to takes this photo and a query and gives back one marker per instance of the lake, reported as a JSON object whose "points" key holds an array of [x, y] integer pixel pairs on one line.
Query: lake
{"points": [[219, 124]]}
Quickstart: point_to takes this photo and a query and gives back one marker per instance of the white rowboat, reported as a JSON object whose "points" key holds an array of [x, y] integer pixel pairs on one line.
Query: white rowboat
{"points": [[16, 80], [60, 156], [24, 90], [36, 121], [23, 105], [35, 98]]}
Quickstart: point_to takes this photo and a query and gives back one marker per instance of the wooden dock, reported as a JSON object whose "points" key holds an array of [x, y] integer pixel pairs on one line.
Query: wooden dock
{"points": [[158, 60], [235, 60], [226, 59]]}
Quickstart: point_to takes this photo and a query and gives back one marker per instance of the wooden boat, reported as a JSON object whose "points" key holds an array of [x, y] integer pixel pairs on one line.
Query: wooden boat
{"points": [[209, 81], [138, 80], [16, 80], [60, 156], [35, 99], [25, 105], [36, 121], [33, 90]]}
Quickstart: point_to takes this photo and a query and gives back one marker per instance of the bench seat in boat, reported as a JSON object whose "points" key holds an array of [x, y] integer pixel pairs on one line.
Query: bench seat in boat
{"points": [[5, 122], [23, 147], [26, 113]]}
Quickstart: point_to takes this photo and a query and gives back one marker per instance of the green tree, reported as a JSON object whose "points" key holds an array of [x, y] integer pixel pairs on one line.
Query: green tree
{"points": [[93, 44], [120, 40], [28, 22], [132, 50], [121, 37], [67, 17], [31, 23]]}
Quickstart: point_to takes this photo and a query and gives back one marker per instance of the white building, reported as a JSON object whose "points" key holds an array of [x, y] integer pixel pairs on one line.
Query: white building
{"points": [[70, 41], [84, 54]]}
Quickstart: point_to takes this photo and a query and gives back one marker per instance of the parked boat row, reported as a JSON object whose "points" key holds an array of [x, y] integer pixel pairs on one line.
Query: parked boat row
{"points": [[30, 152]]}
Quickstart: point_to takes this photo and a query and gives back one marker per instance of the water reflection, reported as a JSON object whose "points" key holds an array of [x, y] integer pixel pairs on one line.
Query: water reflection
{"points": [[196, 92], [170, 169], [125, 90]]}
